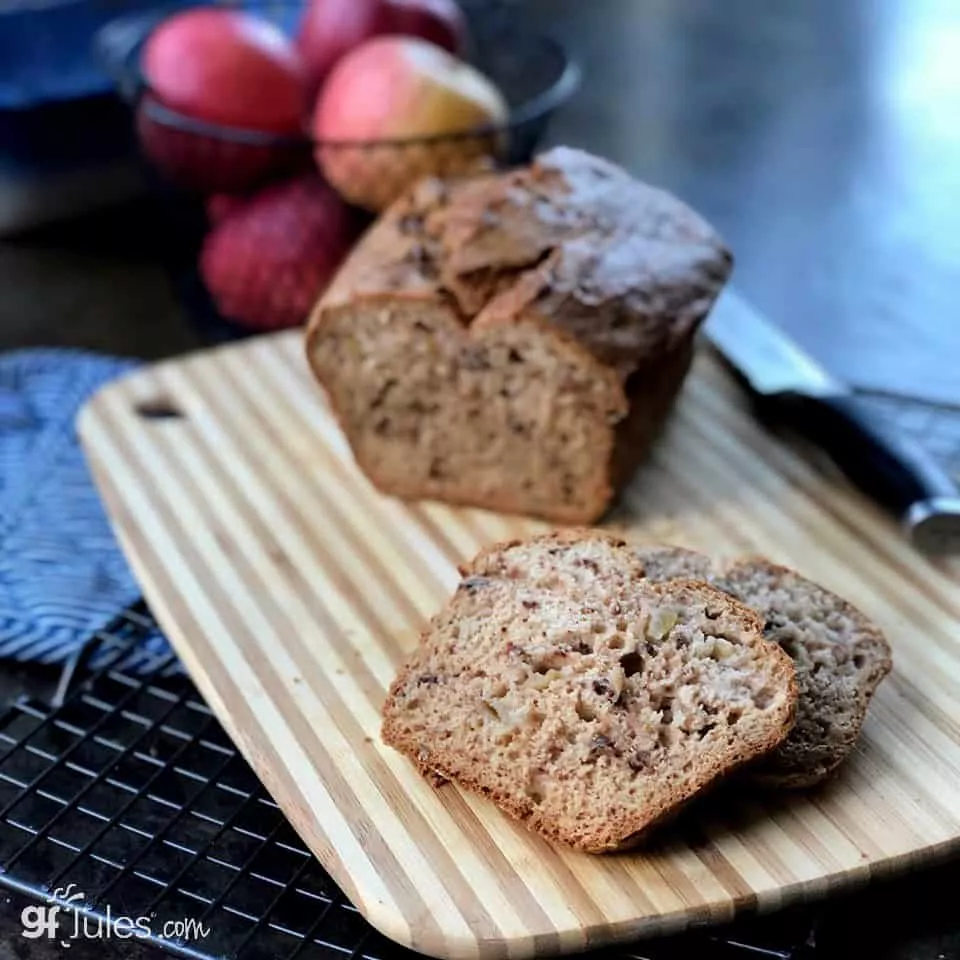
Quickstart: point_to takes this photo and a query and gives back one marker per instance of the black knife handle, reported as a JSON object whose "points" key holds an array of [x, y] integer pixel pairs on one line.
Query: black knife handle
{"points": [[893, 470]]}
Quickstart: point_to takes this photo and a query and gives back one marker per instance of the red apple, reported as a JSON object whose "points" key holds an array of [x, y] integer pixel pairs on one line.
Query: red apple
{"points": [[224, 68], [212, 163], [399, 88], [331, 28], [270, 255], [439, 21], [219, 206], [227, 67]]}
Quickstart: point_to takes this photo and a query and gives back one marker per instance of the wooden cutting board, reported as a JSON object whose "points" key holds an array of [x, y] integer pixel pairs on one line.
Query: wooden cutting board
{"points": [[292, 590]]}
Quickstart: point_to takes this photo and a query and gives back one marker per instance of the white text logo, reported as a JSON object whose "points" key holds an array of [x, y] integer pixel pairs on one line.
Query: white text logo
{"points": [[63, 918]]}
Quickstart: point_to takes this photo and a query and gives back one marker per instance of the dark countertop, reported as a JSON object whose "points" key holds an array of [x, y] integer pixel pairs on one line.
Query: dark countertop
{"points": [[821, 138]]}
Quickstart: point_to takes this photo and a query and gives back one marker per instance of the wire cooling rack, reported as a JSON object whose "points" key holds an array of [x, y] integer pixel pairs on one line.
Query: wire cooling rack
{"points": [[125, 802]]}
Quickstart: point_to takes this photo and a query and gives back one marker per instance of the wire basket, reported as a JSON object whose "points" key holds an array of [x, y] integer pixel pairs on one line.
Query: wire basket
{"points": [[533, 72]]}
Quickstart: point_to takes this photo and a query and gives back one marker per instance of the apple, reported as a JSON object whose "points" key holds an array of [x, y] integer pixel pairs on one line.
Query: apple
{"points": [[269, 256], [225, 68], [219, 206], [212, 163], [332, 28], [400, 88]]}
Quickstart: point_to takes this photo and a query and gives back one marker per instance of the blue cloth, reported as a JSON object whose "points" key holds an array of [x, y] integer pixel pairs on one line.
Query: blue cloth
{"points": [[47, 50], [62, 575], [52, 51]]}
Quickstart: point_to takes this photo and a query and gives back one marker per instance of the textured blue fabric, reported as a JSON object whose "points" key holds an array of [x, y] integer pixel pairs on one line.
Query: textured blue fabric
{"points": [[47, 49], [62, 575]]}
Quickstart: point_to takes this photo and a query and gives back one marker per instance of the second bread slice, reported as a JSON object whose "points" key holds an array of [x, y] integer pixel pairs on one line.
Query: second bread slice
{"points": [[585, 701], [839, 654]]}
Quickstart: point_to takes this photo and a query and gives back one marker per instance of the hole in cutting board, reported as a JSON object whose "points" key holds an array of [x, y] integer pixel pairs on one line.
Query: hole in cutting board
{"points": [[160, 408]]}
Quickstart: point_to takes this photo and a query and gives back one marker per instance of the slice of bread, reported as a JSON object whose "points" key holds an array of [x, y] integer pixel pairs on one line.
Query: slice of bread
{"points": [[840, 656], [585, 701]]}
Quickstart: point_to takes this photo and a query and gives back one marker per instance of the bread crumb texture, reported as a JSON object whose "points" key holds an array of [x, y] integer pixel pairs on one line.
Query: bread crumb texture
{"points": [[839, 655], [585, 700]]}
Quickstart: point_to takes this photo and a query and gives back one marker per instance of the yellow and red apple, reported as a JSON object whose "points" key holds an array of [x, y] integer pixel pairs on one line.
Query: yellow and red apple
{"points": [[381, 105]]}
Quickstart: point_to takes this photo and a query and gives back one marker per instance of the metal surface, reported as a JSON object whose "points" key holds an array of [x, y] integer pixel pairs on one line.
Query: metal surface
{"points": [[935, 426], [934, 525], [769, 360]]}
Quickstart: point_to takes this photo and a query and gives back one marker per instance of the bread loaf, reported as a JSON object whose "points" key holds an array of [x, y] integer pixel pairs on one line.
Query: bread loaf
{"points": [[584, 700], [840, 656], [514, 340]]}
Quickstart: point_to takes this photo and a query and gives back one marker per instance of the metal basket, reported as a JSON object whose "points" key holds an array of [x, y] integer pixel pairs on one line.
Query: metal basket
{"points": [[534, 73]]}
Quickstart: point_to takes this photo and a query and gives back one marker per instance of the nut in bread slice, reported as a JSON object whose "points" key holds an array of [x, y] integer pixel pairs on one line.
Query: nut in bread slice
{"points": [[585, 701]]}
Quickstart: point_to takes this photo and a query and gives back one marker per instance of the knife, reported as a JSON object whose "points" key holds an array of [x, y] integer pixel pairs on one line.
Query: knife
{"points": [[790, 387]]}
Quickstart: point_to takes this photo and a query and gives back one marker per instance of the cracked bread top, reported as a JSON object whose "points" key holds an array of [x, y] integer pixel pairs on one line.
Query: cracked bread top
{"points": [[624, 268]]}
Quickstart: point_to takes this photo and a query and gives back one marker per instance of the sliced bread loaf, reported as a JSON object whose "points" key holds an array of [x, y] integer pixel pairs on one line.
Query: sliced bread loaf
{"points": [[585, 701], [840, 656]]}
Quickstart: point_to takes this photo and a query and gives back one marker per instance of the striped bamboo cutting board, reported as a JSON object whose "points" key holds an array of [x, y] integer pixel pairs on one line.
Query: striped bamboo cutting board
{"points": [[292, 590]]}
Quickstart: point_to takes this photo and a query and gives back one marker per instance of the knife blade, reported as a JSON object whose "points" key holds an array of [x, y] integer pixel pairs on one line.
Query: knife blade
{"points": [[790, 387]]}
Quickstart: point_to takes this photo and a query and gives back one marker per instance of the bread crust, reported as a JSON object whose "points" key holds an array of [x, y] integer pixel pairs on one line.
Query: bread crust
{"points": [[618, 273], [792, 767]]}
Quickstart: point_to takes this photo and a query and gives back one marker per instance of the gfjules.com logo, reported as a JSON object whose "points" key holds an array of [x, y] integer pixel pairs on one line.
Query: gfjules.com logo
{"points": [[64, 917]]}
